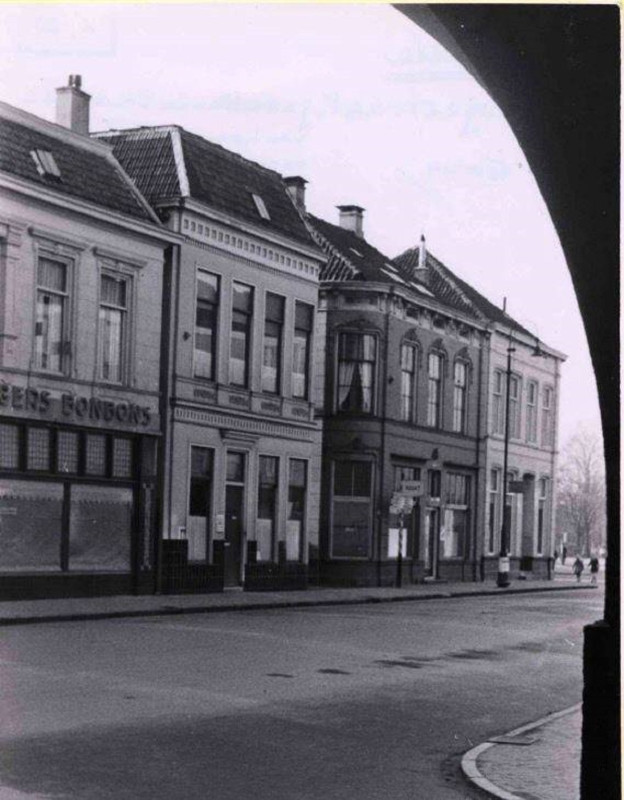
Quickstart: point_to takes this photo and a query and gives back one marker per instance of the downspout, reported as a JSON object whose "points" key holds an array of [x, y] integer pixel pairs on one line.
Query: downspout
{"points": [[382, 447], [553, 462], [477, 459]]}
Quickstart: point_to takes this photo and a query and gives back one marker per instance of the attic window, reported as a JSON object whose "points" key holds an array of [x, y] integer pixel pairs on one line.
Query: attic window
{"points": [[45, 163], [262, 209], [353, 250]]}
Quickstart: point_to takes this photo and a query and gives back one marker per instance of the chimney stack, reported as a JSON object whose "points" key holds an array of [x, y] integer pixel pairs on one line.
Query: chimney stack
{"points": [[72, 106], [422, 253], [296, 189], [352, 219]]}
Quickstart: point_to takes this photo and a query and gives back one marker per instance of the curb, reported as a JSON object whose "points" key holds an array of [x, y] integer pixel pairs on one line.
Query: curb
{"points": [[168, 610], [469, 761]]}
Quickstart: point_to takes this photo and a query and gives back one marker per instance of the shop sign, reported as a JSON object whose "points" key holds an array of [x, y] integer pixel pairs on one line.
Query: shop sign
{"points": [[41, 401], [412, 488]]}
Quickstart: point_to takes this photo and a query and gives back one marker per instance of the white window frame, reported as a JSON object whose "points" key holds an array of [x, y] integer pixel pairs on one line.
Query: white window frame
{"points": [[127, 318], [66, 311]]}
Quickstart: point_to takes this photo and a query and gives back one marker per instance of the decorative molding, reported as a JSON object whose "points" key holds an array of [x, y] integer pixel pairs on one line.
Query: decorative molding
{"points": [[57, 239], [245, 424], [117, 256]]}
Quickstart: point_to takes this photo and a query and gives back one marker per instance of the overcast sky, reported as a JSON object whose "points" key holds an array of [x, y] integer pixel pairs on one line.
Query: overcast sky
{"points": [[357, 100]]}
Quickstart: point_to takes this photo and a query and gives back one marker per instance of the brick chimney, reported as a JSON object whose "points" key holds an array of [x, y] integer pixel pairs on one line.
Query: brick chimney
{"points": [[72, 106], [352, 219], [422, 253], [296, 189]]}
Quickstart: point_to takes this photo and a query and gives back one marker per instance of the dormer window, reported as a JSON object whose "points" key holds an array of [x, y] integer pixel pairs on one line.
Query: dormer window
{"points": [[260, 206], [45, 163]]}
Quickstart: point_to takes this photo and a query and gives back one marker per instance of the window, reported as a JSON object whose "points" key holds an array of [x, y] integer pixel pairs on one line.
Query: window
{"points": [[454, 534], [498, 410], [434, 393], [493, 509], [46, 165], [206, 321], [352, 509], [38, 450], [356, 372], [260, 206], [541, 514], [297, 489], [459, 397], [242, 311], [9, 446], [405, 474], [200, 502], [272, 350], [531, 418], [51, 315], [67, 451], [435, 484], [95, 461], [113, 327], [547, 417], [268, 468], [301, 350], [514, 406], [408, 376]]}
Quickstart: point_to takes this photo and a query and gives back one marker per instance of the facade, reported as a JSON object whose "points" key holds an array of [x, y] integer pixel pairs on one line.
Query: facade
{"points": [[532, 444], [405, 382], [81, 264], [242, 465]]}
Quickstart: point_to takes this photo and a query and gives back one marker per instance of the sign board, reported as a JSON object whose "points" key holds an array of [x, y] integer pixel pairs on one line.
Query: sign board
{"points": [[412, 488], [515, 487], [220, 523]]}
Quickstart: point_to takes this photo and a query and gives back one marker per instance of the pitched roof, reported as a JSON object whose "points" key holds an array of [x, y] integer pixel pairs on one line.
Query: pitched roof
{"points": [[169, 162], [454, 291], [351, 257], [86, 172]]}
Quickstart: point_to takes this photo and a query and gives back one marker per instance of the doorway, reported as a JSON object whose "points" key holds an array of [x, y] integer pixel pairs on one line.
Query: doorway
{"points": [[432, 531], [234, 517]]}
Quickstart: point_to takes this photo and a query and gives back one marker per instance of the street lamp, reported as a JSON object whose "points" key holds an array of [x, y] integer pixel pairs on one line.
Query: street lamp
{"points": [[502, 579]]}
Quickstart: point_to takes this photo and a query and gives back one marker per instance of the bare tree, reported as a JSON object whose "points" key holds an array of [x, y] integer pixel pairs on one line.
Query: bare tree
{"points": [[581, 490]]}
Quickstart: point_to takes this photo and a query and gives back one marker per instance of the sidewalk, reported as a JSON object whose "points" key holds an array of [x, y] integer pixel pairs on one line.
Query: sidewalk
{"points": [[539, 761], [16, 612]]}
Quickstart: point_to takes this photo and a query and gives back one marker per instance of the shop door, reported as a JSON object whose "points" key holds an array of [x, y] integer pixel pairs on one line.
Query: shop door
{"points": [[432, 530], [233, 534]]}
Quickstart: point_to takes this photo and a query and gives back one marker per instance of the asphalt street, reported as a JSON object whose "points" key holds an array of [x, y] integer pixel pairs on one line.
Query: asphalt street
{"points": [[330, 702]]}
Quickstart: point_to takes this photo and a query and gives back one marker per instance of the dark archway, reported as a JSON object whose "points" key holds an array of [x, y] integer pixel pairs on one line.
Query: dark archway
{"points": [[554, 72]]}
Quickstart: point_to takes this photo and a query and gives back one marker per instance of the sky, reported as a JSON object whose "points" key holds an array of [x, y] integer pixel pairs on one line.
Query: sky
{"points": [[354, 98]]}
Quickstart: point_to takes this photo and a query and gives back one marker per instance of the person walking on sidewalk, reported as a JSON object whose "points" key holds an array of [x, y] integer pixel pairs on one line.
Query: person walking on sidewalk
{"points": [[577, 568], [564, 554], [594, 566]]}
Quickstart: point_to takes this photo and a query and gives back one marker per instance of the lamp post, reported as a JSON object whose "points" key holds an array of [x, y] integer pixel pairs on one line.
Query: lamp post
{"points": [[502, 579]]}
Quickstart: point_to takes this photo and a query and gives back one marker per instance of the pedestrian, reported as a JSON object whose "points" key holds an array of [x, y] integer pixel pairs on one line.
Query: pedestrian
{"points": [[577, 568], [594, 566], [556, 555], [564, 554]]}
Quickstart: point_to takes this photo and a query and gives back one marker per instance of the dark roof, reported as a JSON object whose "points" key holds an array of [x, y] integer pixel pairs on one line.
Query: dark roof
{"points": [[454, 291], [350, 257], [217, 177], [84, 173]]}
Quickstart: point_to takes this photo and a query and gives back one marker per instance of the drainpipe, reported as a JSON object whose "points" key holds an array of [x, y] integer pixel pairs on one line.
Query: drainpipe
{"points": [[382, 448], [477, 458]]}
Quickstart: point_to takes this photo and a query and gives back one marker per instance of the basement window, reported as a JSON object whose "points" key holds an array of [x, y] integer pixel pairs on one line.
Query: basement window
{"points": [[260, 206], [45, 163]]}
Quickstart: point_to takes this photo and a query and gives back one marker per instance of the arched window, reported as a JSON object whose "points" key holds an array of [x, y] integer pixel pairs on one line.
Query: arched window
{"points": [[460, 382], [409, 360], [434, 390]]}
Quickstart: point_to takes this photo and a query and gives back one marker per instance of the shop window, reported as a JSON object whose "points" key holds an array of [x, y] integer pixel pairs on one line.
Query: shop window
{"points": [[268, 468], [38, 450], [498, 409], [51, 323], [206, 325], [9, 446], [240, 341], [200, 502], [113, 332], [434, 391], [67, 443], [405, 474], [301, 350], [297, 491], [356, 372], [531, 418], [100, 529], [122, 458], [454, 534], [460, 373], [408, 380], [272, 346], [32, 522], [95, 461], [352, 509]]}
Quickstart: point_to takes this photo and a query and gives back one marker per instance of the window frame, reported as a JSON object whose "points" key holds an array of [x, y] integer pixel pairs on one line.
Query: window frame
{"points": [[369, 500], [435, 406], [498, 403], [277, 320], [531, 412], [126, 325], [373, 338], [460, 397], [66, 296], [306, 334], [548, 417], [408, 399], [216, 308], [249, 323]]}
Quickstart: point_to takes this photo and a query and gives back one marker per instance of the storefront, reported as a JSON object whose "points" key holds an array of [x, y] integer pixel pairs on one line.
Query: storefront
{"points": [[77, 493]]}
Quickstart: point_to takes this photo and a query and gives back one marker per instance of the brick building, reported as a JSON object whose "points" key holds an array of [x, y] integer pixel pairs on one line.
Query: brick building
{"points": [[405, 382], [242, 466], [82, 257]]}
